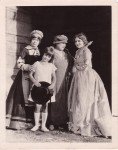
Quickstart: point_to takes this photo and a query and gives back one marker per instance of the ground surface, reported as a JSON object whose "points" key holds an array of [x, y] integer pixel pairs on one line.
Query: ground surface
{"points": [[26, 136]]}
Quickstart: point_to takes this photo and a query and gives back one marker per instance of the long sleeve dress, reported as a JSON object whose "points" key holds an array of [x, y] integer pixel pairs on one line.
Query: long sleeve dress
{"points": [[88, 106], [63, 62], [19, 112]]}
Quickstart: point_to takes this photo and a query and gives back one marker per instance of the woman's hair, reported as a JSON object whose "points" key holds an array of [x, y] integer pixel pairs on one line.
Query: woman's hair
{"points": [[33, 36], [50, 52], [81, 36]]}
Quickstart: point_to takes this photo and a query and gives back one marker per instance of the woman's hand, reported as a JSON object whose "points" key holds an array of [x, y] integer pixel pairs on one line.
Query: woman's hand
{"points": [[81, 67]]}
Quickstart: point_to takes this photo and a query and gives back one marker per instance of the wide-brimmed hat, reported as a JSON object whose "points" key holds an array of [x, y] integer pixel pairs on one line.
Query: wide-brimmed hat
{"points": [[37, 34], [42, 94], [60, 39]]}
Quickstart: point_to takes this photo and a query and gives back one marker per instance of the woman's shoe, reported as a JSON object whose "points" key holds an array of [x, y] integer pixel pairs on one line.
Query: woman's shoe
{"points": [[51, 127]]}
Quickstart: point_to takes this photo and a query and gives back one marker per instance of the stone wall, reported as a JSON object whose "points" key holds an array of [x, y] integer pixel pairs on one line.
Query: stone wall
{"points": [[18, 27]]}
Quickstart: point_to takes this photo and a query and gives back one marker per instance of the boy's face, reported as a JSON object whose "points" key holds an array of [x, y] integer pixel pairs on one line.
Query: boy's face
{"points": [[79, 43], [35, 42], [61, 46], [46, 58]]}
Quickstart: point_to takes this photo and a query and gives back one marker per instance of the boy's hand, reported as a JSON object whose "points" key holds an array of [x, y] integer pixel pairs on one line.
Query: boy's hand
{"points": [[37, 84], [51, 87]]}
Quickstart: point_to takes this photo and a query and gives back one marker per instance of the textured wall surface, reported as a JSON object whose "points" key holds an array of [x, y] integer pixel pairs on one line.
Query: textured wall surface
{"points": [[18, 27]]}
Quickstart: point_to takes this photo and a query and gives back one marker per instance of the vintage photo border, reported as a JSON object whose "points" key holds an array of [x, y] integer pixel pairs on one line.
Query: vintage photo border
{"points": [[114, 4]]}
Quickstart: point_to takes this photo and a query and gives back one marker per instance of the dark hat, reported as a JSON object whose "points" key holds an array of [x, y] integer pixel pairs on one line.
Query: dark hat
{"points": [[42, 94], [60, 39]]}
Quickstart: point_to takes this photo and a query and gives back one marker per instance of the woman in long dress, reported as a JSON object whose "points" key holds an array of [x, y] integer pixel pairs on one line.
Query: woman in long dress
{"points": [[88, 106], [63, 62], [19, 112]]}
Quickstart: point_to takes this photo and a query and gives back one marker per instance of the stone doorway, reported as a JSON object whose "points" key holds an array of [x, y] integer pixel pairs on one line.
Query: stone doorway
{"points": [[94, 21]]}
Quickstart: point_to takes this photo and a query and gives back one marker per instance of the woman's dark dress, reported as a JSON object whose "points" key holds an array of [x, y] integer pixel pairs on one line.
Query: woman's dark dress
{"points": [[19, 112]]}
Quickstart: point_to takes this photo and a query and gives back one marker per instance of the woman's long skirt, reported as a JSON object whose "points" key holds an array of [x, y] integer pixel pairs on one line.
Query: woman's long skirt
{"points": [[88, 106], [18, 115]]}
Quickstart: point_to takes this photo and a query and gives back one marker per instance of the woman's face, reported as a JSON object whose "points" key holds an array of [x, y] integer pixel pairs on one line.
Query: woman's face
{"points": [[60, 46], [46, 58], [35, 42], [79, 43]]}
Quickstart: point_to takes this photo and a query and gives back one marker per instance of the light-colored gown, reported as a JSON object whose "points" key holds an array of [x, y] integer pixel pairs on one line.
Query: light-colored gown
{"points": [[88, 106]]}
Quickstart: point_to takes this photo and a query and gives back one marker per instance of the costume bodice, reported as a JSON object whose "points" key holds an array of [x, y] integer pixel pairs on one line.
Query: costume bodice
{"points": [[31, 59], [31, 55], [83, 57]]}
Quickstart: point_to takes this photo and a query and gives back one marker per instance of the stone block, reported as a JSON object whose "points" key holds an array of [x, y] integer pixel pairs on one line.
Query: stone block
{"points": [[11, 26], [16, 48], [12, 47], [18, 28], [18, 14], [11, 61], [17, 39], [11, 38]]}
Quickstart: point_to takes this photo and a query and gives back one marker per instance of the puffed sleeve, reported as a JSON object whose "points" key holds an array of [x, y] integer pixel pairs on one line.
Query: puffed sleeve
{"points": [[53, 68], [24, 53], [34, 66], [21, 61], [88, 56]]}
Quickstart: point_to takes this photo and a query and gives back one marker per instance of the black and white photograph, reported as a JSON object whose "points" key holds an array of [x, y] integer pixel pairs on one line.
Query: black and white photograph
{"points": [[59, 74]]}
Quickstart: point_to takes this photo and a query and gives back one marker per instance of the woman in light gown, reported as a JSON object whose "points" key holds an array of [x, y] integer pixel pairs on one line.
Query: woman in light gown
{"points": [[88, 106]]}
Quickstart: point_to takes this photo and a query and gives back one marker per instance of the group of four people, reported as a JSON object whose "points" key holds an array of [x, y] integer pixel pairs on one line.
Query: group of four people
{"points": [[79, 99]]}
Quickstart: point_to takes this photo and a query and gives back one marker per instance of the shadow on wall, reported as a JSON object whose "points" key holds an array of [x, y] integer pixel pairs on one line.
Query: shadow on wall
{"points": [[17, 33]]}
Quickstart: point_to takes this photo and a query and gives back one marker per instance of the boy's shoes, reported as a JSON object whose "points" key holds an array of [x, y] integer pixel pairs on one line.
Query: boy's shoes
{"points": [[35, 128], [44, 129]]}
